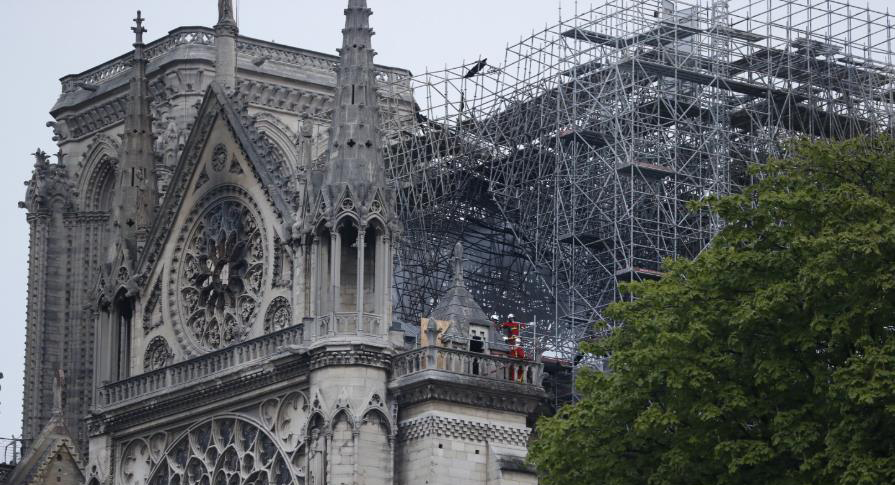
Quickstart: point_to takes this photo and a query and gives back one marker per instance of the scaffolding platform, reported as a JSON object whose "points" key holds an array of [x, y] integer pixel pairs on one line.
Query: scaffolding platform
{"points": [[592, 240], [646, 170], [665, 33], [591, 137], [637, 274]]}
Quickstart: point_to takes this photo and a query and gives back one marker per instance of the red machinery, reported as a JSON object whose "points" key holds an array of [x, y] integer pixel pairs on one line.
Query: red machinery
{"points": [[511, 330]]}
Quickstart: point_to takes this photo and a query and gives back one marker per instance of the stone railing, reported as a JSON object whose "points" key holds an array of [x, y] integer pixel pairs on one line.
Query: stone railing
{"points": [[123, 63], [467, 363], [200, 367], [205, 37]]}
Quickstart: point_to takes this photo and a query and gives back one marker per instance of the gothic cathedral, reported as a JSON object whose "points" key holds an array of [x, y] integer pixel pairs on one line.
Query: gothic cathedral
{"points": [[210, 283]]}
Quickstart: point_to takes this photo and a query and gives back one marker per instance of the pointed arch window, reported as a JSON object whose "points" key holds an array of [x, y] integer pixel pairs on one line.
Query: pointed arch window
{"points": [[348, 238], [122, 322]]}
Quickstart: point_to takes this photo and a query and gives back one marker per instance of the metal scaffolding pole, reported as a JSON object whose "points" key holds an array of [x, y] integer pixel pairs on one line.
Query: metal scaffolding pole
{"points": [[568, 169]]}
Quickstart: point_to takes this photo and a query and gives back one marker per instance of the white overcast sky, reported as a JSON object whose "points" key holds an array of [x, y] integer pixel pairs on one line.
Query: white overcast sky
{"points": [[47, 39]]}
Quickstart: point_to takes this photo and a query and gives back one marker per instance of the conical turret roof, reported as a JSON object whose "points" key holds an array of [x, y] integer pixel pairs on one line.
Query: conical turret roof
{"points": [[457, 305]]}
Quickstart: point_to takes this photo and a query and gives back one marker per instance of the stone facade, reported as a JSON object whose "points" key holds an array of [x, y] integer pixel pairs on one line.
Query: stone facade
{"points": [[212, 258]]}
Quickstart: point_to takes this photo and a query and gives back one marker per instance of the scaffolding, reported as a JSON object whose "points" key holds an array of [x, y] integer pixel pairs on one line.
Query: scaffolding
{"points": [[569, 168]]}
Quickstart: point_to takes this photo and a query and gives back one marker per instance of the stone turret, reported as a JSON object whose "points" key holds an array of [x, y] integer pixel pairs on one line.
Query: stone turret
{"points": [[225, 33], [465, 321], [350, 226], [137, 196], [351, 219]]}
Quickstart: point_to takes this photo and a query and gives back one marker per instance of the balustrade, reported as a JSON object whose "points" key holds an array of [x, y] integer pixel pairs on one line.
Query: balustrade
{"points": [[467, 363], [200, 367], [205, 37]]}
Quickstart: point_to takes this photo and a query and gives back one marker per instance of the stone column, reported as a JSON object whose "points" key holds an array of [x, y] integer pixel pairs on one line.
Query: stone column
{"points": [[314, 304], [335, 270], [385, 291], [361, 235]]}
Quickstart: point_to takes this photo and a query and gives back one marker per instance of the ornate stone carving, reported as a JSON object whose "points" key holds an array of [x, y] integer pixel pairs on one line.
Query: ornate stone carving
{"points": [[203, 178], [158, 354], [292, 420], [123, 275], [219, 157], [235, 167], [279, 315], [135, 462], [227, 451], [282, 264], [222, 275], [446, 427], [152, 320]]}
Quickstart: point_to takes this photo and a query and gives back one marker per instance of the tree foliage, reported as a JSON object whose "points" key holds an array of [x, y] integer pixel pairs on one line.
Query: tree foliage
{"points": [[769, 359]]}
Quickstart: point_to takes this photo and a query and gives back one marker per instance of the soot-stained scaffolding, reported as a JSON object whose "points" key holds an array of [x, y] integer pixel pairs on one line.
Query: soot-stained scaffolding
{"points": [[568, 168]]}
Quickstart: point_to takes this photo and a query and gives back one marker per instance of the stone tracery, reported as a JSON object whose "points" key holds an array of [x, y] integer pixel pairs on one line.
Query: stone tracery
{"points": [[158, 354], [222, 275], [279, 315], [225, 451]]}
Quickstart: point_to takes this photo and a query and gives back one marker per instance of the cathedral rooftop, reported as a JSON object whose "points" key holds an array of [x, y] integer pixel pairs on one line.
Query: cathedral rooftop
{"points": [[196, 44]]}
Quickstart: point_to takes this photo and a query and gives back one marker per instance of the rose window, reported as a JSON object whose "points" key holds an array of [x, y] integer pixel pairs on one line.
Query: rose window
{"points": [[222, 276]]}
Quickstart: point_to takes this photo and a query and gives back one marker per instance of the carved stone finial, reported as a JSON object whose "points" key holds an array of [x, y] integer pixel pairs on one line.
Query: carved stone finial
{"points": [[60, 157], [458, 265], [40, 157], [139, 30]]}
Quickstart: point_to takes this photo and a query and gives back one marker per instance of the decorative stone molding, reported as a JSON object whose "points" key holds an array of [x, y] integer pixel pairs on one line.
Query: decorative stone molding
{"points": [[97, 118], [150, 324], [158, 355], [180, 181], [50, 187], [278, 316], [368, 358], [122, 65], [219, 157], [444, 427], [267, 95], [201, 36], [477, 393]]}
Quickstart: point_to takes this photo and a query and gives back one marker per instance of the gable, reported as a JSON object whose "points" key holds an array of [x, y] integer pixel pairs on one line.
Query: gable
{"points": [[59, 468], [217, 260], [216, 108], [52, 459]]}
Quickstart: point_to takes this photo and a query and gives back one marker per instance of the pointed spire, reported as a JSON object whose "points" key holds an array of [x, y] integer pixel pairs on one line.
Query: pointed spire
{"points": [[139, 30], [136, 194], [356, 162], [225, 33]]}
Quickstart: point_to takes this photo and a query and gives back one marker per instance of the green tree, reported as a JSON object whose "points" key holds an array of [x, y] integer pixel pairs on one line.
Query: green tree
{"points": [[769, 359]]}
